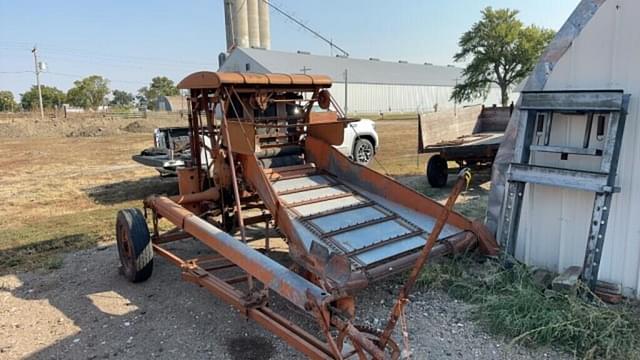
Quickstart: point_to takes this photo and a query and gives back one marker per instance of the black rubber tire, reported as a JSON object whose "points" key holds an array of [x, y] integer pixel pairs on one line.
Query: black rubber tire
{"points": [[437, 171], [363, 151], [134, 245]]}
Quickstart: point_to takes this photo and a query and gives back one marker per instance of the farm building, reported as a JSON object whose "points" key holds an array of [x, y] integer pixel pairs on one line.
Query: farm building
{"points": [[373, 86], [177, 103], [595, 50]]}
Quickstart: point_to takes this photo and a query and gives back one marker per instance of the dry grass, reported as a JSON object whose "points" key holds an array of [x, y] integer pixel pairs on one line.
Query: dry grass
{"points": [[398, 157], [62, 193]]}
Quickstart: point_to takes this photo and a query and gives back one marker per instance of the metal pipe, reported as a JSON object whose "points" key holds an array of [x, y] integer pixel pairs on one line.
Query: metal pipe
{"points": [[286, 283], [212, 194], [463, 179]]}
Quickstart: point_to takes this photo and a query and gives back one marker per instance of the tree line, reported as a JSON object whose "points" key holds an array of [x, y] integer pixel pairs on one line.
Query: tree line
{"points": [[90, 92]]}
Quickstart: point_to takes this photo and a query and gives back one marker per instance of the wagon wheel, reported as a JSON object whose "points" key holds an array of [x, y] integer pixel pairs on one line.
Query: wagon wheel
{"points": [[437, 171], [391, 349]]}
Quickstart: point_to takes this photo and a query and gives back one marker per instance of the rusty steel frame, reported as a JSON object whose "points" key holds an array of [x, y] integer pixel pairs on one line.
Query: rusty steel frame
{"points": [[319, 291]]}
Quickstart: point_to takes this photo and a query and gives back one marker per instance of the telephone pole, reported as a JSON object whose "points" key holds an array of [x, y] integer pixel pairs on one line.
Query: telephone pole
{"points": [[305, 69], [35, 60], [346, 93]]}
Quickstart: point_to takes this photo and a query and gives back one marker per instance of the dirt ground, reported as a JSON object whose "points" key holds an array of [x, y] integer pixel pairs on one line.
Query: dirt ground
{"points": [[87, 310], [61, 295]]}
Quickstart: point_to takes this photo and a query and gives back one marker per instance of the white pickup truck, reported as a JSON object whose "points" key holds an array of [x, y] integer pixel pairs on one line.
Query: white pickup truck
{"points": [[171, 146]]}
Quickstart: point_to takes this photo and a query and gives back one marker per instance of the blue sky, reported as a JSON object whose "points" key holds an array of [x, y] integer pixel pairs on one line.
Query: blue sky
{"points": [[129, 42]]}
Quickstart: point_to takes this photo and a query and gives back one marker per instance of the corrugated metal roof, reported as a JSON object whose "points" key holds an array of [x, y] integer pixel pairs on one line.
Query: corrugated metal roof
{"points": [[359, 70]]}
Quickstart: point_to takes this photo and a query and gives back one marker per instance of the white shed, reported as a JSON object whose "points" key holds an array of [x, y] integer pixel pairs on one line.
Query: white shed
{"points": [[373, 86], [598, 48]]}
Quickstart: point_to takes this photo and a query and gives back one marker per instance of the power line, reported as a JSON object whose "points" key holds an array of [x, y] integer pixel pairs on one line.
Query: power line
{"points": [[16, 72], [84, 53], [78, 76], [304, 26]]}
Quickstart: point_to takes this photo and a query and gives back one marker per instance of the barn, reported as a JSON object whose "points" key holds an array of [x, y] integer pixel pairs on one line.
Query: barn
{"points": [[596, 50], [372, 86], [175, 103]]}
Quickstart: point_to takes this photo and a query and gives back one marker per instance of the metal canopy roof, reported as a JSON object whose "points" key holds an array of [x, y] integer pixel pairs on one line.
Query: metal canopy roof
{"points": [[213, 80], [359, 70]]}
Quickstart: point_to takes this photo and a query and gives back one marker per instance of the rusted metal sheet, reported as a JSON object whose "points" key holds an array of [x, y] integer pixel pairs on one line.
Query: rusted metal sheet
{"points": [[214, 80], [275, 276], [328, 158]]}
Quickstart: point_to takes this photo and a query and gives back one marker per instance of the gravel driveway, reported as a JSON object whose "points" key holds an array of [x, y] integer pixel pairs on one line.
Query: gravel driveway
{"points": [[86, 310]]}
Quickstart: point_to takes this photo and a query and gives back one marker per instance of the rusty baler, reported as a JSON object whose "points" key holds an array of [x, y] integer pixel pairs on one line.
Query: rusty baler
{"points": [[265, 141]]}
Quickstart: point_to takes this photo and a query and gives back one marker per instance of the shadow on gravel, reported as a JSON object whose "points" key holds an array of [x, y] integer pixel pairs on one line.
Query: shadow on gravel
{"points": [[103, 316], [255, 348], [114, 193]]}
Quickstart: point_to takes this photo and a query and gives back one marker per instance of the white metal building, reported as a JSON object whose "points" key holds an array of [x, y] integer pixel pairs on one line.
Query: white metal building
{"points": [[373, 86], [599, 50]]}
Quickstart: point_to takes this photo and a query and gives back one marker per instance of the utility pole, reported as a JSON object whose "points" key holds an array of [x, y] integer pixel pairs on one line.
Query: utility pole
{"points": [[455, 102], [35, 60], [305, 69], [346, 92]]}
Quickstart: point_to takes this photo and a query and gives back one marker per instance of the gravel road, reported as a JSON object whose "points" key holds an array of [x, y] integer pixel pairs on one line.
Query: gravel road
{"points": [[86, 310]]}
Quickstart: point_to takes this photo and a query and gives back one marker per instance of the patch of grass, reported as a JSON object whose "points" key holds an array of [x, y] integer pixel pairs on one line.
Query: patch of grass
{"points": [[509, 302], [54, 262], [40, 244]]}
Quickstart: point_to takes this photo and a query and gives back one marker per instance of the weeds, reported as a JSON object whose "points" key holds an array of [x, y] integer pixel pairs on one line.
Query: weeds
{"points": [[509, 302]]}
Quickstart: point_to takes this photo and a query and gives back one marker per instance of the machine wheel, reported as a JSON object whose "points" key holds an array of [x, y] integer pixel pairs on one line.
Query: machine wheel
{"points": [[134, 245], [437, 171], [363, 151]]}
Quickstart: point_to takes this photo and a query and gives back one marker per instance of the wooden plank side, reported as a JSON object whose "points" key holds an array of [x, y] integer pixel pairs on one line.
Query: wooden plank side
{"points": [[446, 125]]}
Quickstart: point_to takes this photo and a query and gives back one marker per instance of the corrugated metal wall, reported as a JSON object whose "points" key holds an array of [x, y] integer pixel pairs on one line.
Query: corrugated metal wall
{"points": [[377, 98], [554, 222]]}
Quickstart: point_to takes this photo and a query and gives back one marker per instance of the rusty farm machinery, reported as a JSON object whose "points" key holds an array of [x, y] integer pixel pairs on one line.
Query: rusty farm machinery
{"points": [[265, 142]]}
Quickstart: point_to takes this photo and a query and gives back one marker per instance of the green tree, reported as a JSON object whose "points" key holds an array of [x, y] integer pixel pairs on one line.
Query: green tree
{"points": [[503, 52], [51, 97], [7, 103], [122, 99], [88, 93], [160, 86]]}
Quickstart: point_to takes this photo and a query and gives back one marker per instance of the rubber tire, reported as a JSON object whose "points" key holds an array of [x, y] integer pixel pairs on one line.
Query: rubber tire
{"points": [[359, 143], [437, 171], [138, 267]]}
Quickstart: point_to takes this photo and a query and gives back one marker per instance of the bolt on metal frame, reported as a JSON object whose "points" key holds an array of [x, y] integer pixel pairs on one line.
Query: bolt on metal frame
{"points": [[537, 110]]}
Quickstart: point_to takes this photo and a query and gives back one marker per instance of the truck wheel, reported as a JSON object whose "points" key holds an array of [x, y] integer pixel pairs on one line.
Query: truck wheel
{"points": [[363, 151], [437, 171], [134, 245]]}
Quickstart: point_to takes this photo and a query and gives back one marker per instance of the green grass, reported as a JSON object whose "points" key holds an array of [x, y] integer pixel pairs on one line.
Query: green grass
{"points": [[509, 302], [41, 243]]}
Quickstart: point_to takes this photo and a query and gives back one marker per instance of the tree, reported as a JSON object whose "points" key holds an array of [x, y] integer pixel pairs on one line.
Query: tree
{"points": [[88, 92], [51, 97], [160, 86], [7, 103], [503, 52], [122, 99]]}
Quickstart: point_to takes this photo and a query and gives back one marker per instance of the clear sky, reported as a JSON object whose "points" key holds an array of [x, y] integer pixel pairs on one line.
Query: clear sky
{"points": [[129, 42]]}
